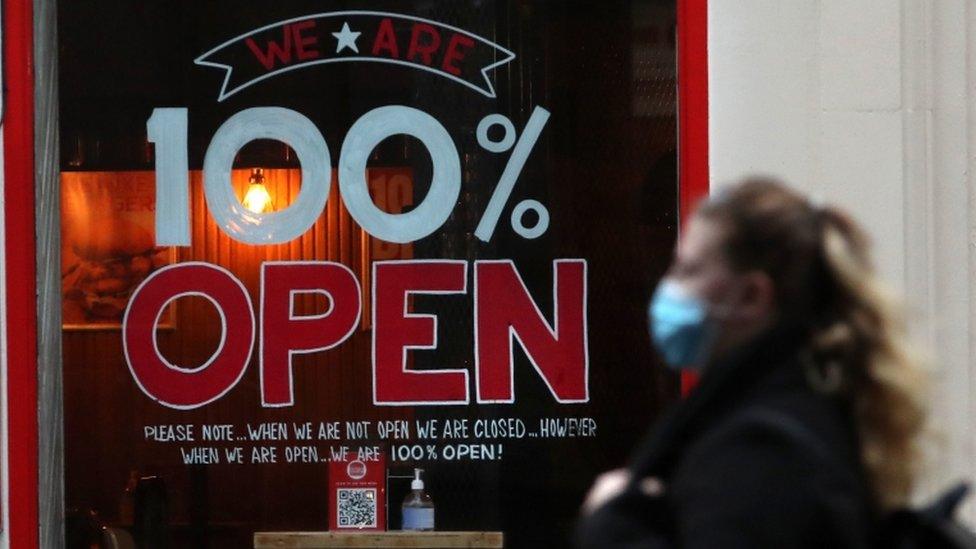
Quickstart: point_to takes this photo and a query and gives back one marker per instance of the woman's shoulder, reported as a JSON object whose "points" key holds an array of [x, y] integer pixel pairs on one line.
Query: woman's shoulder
{"points": [[783, 409], [772, 468], [797, 432]]}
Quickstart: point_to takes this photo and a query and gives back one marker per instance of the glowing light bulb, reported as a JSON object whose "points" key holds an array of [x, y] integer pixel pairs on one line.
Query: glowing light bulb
{"points": [[257, 199]]}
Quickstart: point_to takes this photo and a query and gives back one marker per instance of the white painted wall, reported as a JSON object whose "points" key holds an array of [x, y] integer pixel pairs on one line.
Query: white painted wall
{"points": [[870, 104]]}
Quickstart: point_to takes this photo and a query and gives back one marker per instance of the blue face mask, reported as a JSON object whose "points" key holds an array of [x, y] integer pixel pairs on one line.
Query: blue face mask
{"points": [[680, 326]]}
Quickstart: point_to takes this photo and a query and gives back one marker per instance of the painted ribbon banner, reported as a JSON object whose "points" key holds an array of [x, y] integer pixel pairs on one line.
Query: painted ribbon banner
{"points": [[364, 36]]}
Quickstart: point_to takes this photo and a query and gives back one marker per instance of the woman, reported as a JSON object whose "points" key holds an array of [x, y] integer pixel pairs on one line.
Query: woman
{"points": [[802, 430]]}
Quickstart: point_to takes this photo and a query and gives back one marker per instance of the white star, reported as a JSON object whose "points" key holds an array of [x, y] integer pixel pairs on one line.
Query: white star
{"points": [[346, 39]]}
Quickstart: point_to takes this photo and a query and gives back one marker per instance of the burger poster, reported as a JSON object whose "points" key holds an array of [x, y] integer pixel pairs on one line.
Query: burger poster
{"points": [[108, 246]]}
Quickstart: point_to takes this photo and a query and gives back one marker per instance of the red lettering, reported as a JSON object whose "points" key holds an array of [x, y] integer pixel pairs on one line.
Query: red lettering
{"points": [[302, 42], [275, 51], [386, 39], [167, 383], [427, 50], [395, 332], [455, 53], [283, 333], [503, 308]]}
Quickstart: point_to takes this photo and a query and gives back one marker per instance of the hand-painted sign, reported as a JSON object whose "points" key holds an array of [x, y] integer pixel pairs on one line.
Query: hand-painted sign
{"points": [[446, 269], [503, 308]]}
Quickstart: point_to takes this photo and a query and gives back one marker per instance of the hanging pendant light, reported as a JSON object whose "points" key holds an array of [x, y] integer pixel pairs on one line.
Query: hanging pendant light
{"points": [[257, 199]]}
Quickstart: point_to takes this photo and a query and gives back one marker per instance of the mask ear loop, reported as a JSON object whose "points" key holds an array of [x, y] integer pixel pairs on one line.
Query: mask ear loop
{"points": [[826, 378]]}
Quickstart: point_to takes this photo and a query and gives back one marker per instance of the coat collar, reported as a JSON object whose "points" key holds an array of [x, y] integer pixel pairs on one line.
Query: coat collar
{"points": [[723, 383]]}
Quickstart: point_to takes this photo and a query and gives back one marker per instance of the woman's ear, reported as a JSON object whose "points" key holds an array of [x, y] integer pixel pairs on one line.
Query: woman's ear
{"points": [[758, 298]]}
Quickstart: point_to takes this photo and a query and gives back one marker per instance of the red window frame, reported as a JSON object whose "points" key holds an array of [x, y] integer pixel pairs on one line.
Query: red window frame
{"points": [[693, 166], [21, 271]]}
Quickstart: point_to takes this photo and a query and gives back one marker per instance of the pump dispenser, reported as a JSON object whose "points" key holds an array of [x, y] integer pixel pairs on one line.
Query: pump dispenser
{"points": [[418, 508]]}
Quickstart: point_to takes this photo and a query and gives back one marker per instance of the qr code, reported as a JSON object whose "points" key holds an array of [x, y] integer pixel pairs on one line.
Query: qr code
{"points": [[357, 507]]}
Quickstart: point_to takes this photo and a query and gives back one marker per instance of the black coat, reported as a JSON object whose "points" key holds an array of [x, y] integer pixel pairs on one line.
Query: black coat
{"points": [[754, 458]]}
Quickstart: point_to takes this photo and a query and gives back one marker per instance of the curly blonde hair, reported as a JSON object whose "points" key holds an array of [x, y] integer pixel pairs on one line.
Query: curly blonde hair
{"points": [[819, 261]]}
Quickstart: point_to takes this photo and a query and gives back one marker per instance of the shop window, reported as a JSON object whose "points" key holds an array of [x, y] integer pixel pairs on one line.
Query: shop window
{"points": [[500, 196]]}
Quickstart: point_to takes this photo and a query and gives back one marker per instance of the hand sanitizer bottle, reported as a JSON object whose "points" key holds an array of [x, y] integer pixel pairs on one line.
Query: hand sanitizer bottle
{"points": [[418, 508]]}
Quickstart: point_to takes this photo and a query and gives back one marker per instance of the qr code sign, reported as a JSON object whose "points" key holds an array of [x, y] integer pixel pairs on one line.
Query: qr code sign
{"points": [[357, 507]]}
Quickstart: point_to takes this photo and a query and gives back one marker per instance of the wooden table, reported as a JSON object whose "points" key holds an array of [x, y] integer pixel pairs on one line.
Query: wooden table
{"points": [[374, 540]]}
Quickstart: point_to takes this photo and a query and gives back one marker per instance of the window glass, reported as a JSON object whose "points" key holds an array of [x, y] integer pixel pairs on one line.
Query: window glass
{"points": [[310, 247]]}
